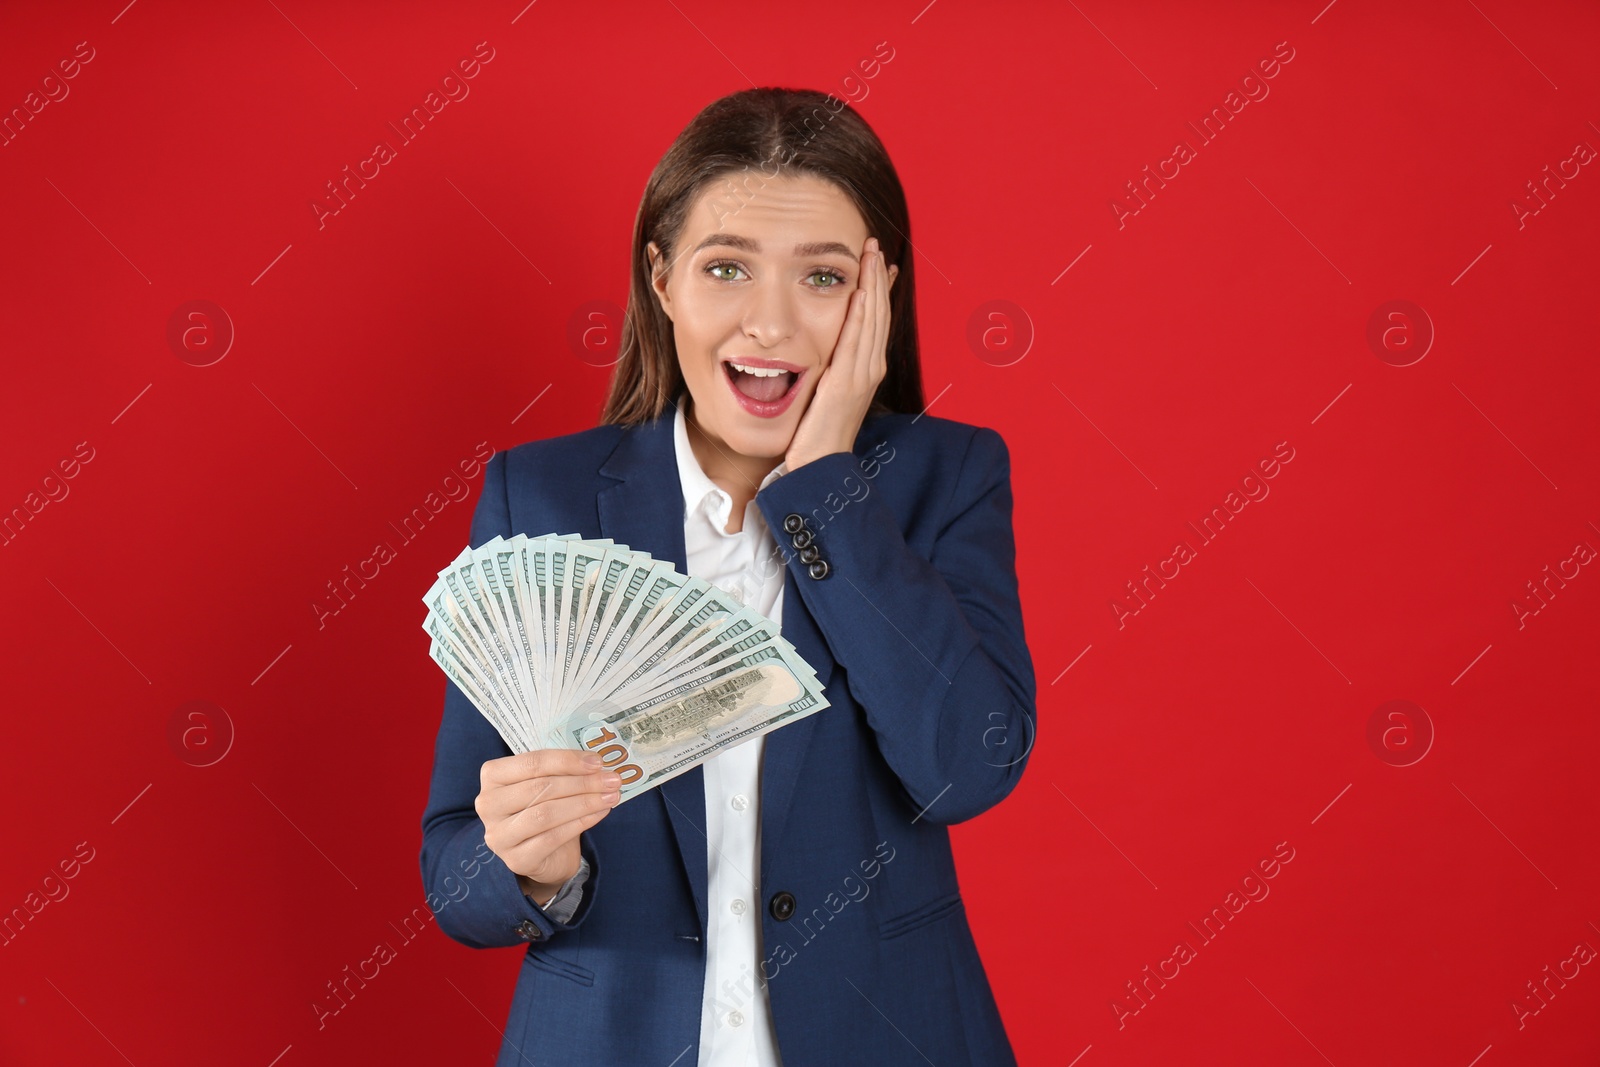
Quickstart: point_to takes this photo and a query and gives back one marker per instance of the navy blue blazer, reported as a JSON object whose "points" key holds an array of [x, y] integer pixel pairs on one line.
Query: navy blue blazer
{"points": [[915, 627]]}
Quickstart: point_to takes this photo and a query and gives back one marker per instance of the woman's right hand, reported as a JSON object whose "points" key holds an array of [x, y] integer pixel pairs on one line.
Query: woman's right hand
{"points": [[535, 804]]}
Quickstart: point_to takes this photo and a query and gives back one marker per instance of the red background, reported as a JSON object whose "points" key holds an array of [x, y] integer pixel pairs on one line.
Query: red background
{"points": [[1176, 750]]}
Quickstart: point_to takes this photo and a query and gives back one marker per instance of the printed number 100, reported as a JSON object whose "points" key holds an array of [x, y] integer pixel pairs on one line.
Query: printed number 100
{"points": [[613, 754]]}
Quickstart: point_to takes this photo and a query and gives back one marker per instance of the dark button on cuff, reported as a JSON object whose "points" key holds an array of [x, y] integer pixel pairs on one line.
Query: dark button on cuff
{"points": [[793, 523], [528, 930], [810, 554], [781, 906], [803, 538], [818, 570]]}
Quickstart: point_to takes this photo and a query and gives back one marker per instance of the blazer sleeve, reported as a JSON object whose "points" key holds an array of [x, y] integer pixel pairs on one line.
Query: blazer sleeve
{"points": [[474, 895], [933, 648]]}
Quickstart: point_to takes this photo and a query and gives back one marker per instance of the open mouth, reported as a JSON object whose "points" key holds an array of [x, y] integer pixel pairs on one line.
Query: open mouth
{"points": [[764, 386]]}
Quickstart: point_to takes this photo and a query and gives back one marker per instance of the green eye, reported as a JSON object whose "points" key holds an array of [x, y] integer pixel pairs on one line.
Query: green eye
{"points": [[833, 278]]}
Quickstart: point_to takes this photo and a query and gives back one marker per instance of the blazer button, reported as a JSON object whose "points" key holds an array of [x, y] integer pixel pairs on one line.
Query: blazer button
{"points": [[810, 554], [528, 930], [793, 523], [803, 538], [818, 570], [782, 906]]}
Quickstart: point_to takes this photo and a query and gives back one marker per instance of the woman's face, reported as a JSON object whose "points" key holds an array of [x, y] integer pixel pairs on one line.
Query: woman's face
{"points": [[761, 281]]}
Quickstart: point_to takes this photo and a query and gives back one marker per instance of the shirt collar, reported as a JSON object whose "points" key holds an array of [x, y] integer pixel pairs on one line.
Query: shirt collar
{"points": [[699, 491]]}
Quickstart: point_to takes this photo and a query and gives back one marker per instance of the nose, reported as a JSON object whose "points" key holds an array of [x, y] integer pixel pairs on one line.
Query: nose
{"points": [[769, 314]]}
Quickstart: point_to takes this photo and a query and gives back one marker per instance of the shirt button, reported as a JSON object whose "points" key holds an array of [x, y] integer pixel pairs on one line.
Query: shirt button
{"points": [[739, 802], [737, 907], [735, 1018]]}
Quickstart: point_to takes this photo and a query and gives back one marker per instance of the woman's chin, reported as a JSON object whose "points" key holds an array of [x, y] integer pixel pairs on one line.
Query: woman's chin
{"points": [[773, 444], [763, 438]]}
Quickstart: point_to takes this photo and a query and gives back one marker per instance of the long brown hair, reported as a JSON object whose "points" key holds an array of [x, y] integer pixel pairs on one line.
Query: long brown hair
{"points": [[745, 138]]}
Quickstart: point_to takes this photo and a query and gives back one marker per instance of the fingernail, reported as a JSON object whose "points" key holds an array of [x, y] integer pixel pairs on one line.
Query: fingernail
{"points": [[591, 760], [613, 799], [611, 779]]}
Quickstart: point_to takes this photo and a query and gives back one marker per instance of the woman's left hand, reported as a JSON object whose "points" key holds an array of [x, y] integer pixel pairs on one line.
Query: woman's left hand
{"points": [[850, 380]]}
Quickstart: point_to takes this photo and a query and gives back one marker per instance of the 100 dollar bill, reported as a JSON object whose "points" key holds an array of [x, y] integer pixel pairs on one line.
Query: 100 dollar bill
{"points": [[650, 742]]}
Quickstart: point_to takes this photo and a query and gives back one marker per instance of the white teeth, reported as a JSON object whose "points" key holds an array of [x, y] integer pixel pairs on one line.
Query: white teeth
{"points": [[757, 371]]}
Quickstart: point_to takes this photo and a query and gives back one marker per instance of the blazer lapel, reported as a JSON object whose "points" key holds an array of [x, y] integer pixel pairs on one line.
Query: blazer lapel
{"points": [[787, 745], [644, 510]]}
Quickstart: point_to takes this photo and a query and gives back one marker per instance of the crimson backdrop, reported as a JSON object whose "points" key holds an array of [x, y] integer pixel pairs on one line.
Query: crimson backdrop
{"points": [[1337, 276]]}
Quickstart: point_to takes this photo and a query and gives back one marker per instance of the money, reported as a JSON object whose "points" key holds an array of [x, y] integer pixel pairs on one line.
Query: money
{"points": [[565, 642]]}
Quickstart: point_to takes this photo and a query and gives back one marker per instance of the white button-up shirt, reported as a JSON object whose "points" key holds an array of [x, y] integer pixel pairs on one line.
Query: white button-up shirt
{"points": [[736, 1017]]}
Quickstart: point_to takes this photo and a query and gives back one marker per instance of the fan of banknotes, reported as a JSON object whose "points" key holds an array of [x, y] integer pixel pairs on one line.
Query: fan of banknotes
{"points": [[563, 642]]}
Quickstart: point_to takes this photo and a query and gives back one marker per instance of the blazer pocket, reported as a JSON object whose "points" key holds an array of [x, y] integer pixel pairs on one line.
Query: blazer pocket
{"points": [[919, 917], [570, 971]]}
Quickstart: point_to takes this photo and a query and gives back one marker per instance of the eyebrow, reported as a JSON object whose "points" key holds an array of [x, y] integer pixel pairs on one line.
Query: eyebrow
{"points": [[748, 244]]}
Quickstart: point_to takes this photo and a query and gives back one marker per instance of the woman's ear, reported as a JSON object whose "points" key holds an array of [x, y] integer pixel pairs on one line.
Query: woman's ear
{"points": [[658, 279], [894, 272]]}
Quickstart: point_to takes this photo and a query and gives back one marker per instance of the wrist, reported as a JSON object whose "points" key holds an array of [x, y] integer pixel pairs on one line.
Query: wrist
{"points": [[540, 893], [795, 460]]}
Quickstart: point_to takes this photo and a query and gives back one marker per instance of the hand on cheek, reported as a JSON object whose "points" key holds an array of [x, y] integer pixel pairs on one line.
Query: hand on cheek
{"points": [[858, 364]]}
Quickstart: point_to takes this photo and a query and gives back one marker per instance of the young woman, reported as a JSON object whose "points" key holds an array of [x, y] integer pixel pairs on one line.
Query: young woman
{"points": [[793, 899]]}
